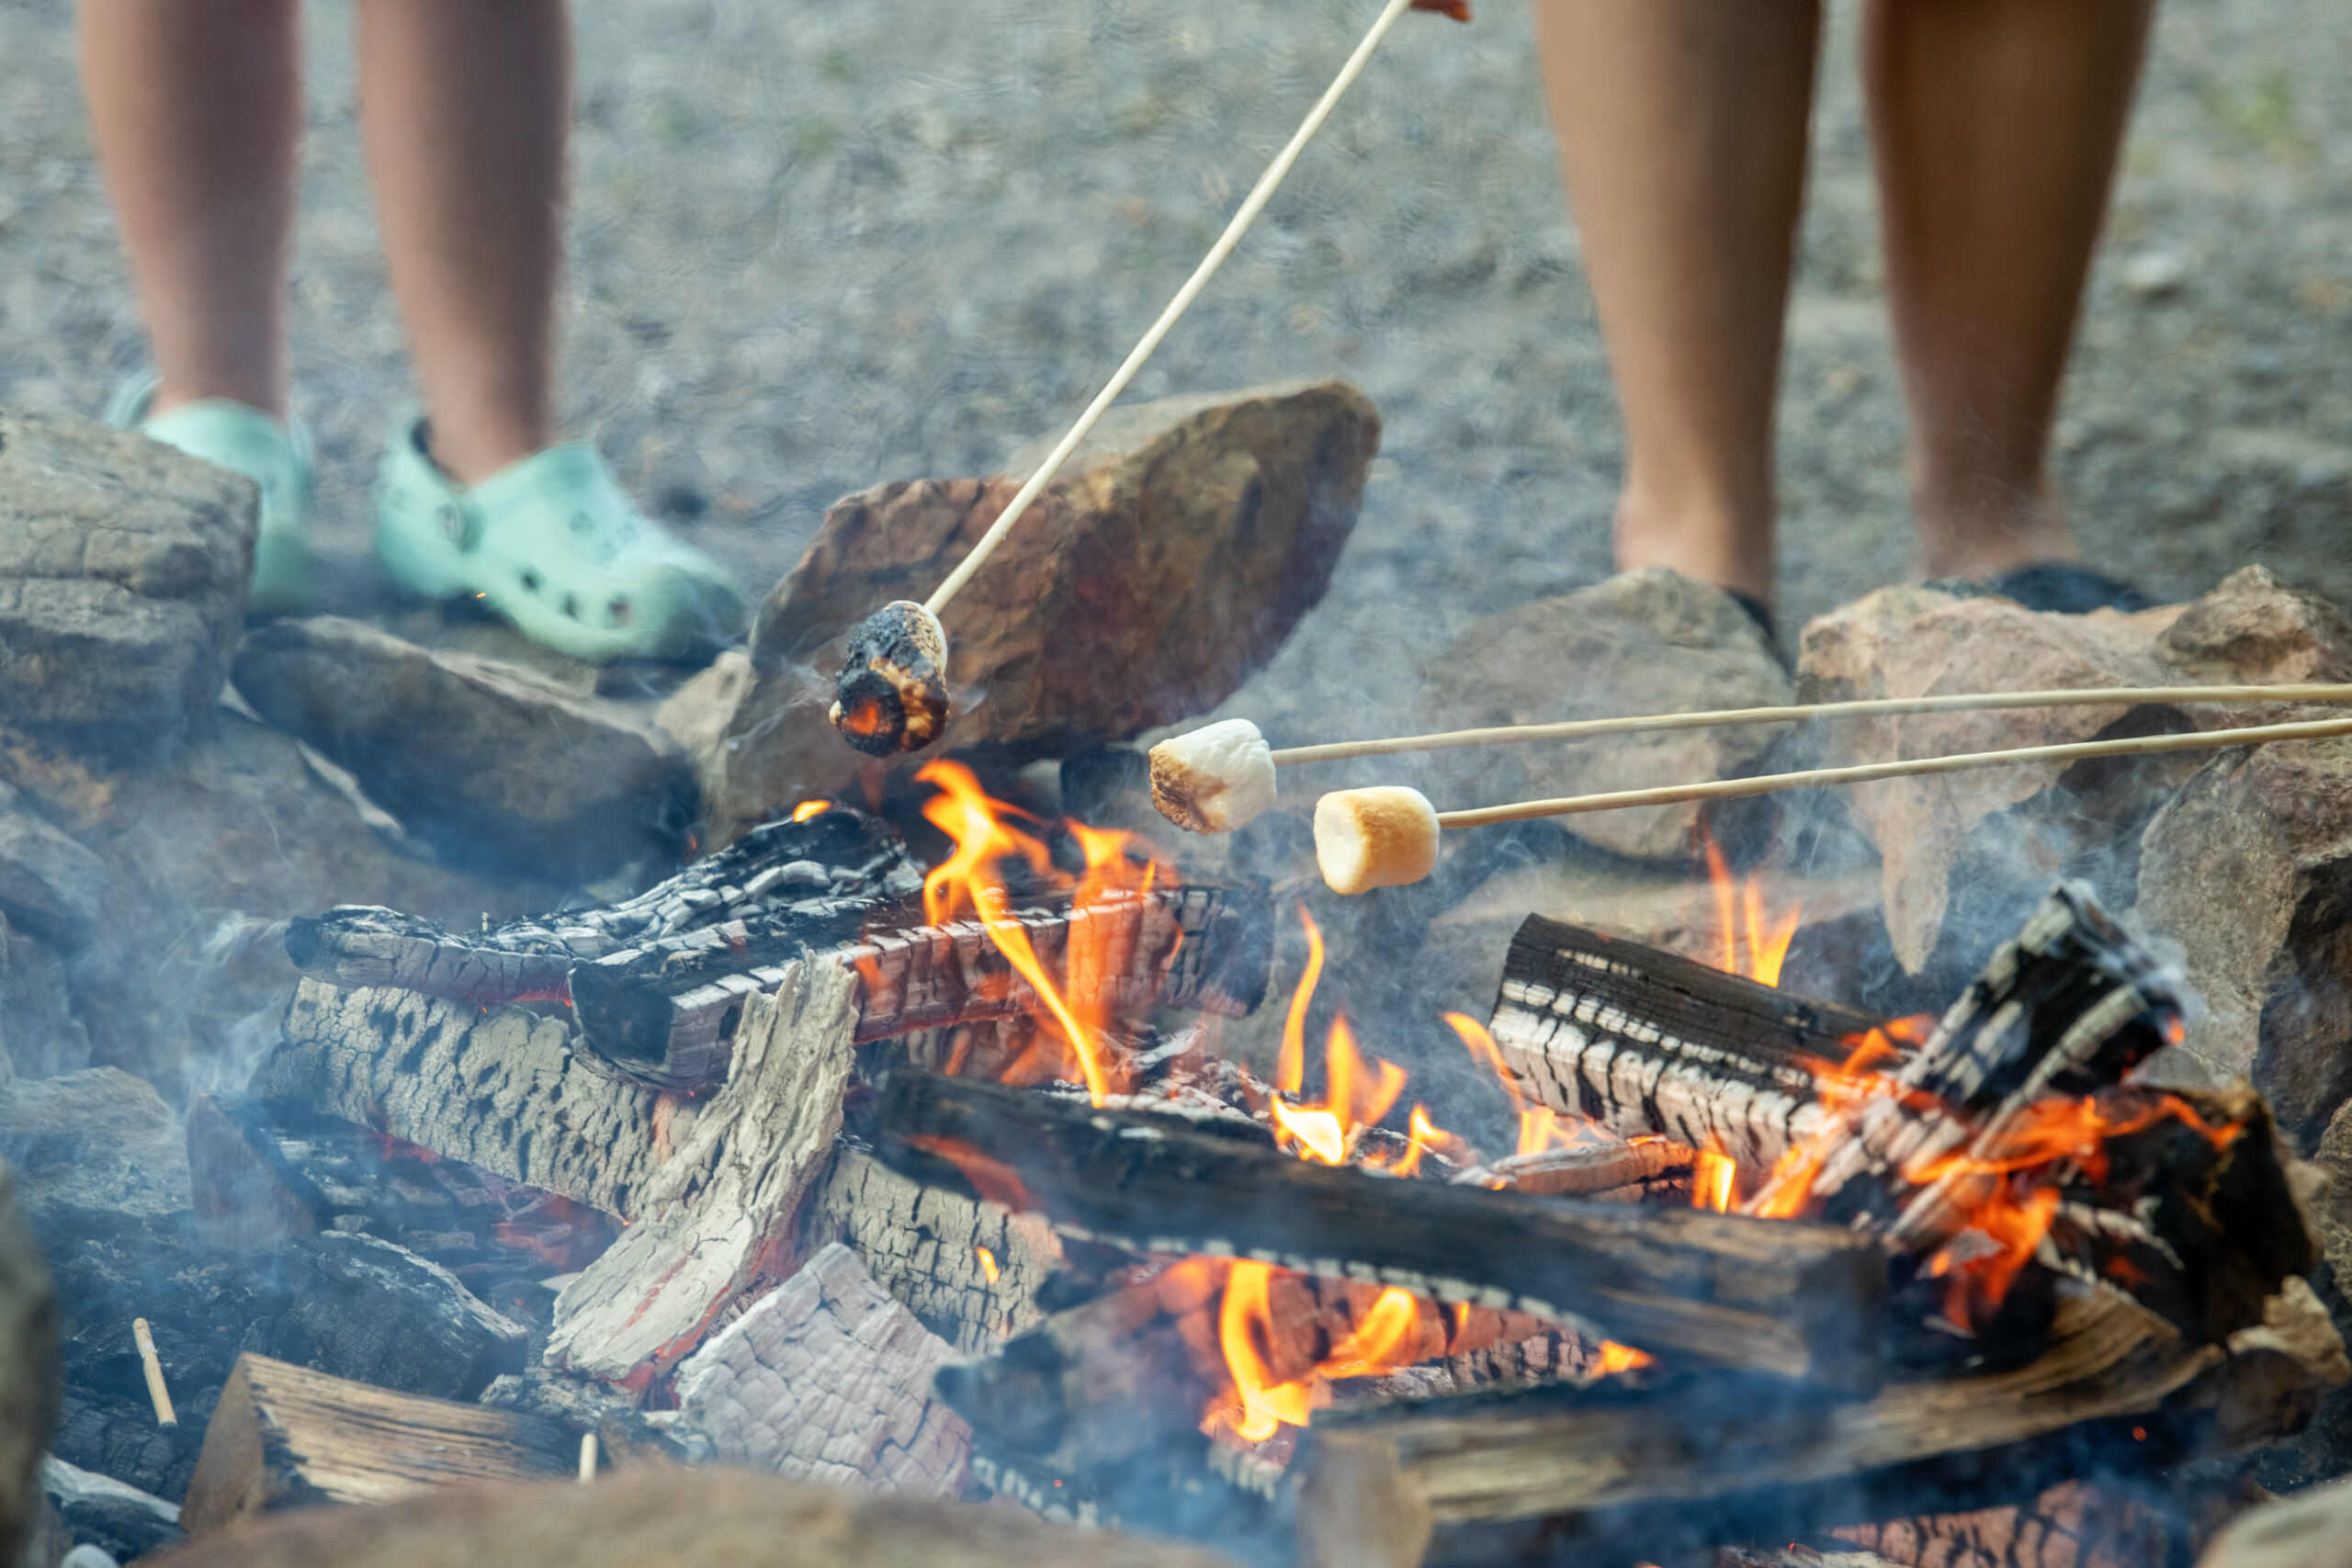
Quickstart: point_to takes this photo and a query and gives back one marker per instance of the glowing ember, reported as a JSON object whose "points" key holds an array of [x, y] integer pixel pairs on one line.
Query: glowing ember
{"points": [[1616, 1358], [987, 1263], [1075, 1011], [807, 809]]}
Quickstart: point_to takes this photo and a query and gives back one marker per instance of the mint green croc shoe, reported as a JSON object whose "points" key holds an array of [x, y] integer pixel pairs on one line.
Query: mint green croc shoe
{"points": [[275, 454], [552, 544]]}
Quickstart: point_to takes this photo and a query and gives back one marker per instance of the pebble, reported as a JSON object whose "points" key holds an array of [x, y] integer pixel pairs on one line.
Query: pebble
{"points": [[2155, 274]]}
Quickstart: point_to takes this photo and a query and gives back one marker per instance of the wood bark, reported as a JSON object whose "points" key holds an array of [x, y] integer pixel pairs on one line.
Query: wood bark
{"points": [[283, 1437], [828, 1377], [1616, 1474], [1802, 1300]]}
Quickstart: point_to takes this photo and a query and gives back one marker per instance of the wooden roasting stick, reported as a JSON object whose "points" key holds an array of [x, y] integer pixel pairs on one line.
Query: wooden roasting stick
{"points": [[1386, 836], [892, 693], [1799, 1301]]}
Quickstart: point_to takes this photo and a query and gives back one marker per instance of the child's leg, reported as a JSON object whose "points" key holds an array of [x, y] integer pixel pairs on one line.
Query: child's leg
{"points": [[1995, 125], [464, 105], [195, 109], [1682, 128]]}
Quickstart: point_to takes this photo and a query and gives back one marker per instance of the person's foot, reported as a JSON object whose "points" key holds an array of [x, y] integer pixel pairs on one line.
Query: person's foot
{"points": [[272, 453], [553, 545]]}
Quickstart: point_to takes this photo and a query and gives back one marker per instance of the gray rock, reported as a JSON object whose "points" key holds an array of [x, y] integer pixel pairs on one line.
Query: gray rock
{"points": [[2248, 871], [123, 568], [372, 1310], [40, 1036], [99, 1139], [1648, 641], [27, 1370], [2331, 1207], [2311, 1529], [490, 761], [49, 884]]}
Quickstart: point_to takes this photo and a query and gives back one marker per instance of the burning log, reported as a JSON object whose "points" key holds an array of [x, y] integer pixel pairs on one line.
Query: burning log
{"points": [[1798, 1300], [1624, 1173], [1649, 1042], [1616, 1475], [827, 1377], [283, 1437]]}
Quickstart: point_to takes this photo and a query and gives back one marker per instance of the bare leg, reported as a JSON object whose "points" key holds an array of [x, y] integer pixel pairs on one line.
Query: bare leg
{"points": [[1682, 127], [194, 108], [465, 103], [1996, 124]]}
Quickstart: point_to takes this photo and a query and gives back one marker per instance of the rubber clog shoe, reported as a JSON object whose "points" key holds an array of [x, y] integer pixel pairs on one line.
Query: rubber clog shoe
{"points": [[272, 453], [552, 544]]}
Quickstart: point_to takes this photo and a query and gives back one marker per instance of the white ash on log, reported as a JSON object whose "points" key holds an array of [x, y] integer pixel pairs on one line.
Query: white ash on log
{"points": [[1647, 1042], [285, 1436], [969, 1269], [828, 1377], [1624, 1173], [1799, 1299], [1614, 1475]]}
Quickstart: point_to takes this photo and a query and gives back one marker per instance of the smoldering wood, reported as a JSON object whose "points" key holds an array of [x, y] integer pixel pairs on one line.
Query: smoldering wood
{"points": [[828, 1377], [839, 853], [283, 1436], [1647, 1042], [923, 1244], [717, 1215], [1616, 1475], [2072, 1525], [260, 1175], [1799, 1299]]}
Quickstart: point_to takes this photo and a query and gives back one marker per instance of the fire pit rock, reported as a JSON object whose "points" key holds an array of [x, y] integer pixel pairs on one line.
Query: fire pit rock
{"points": [[98, 1141], [489, 761], [1169, 561], [1647, 641], [39, 1036], [27, 1370], [123, 567]]}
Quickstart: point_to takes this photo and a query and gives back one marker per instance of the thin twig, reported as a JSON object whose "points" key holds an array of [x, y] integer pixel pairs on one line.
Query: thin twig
{"points": [[1772, 783], [1255, 203], [1583, 728]]}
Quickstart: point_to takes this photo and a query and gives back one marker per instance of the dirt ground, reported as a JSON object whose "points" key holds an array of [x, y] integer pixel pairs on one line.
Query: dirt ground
{"points": [[819, 244]]}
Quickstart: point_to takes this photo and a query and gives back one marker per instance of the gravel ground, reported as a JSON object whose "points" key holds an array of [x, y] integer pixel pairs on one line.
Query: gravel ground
{"points": [[819, 244]]}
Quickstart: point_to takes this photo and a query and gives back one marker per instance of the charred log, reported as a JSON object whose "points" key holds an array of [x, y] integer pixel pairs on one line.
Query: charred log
{"points": [[1623, 1173], [1798, 1300]]}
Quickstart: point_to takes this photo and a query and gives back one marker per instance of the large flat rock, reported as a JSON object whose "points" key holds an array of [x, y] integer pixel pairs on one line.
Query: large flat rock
{"points": [[492, 763], [123, 569], [1170, 559], [27, 1369]]}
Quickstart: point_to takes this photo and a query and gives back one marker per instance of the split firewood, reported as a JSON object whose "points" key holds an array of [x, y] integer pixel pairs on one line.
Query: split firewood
{"points": [[828, 1377], [1623, 1173], [285, 1436], [1799, 1299], [1622, 1475]]}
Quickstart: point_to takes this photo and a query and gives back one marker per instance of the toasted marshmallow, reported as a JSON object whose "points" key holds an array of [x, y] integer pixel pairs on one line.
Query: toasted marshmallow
{"points": [[1383, 836], [1218, 778]]}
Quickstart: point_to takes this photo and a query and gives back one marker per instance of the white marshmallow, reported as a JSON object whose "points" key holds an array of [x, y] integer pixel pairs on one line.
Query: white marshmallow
{"points": [[1383, 837], [1219, 777]]}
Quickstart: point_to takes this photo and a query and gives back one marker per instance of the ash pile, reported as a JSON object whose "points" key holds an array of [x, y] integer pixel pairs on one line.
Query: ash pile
{"points": [[919, 1161]]}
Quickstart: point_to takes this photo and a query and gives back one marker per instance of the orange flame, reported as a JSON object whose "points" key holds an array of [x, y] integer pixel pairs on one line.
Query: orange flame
{"points": [[1739, 913], [1540, 1126], [1711, 1179], [807, 809], [1355, 1097], [987, 1263], [1245, 1327], [1290, 1067], [1616, 1358], [1076, 1011]]}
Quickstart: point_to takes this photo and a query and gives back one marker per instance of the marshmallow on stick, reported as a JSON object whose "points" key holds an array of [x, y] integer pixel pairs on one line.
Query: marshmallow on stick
{"points": [[1381, 836], [1218, 778]]}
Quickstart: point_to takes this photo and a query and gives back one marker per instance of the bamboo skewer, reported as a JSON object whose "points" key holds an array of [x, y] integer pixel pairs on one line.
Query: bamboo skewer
{"points": [[1259, 194], [1863, 772], [1584, 729]]}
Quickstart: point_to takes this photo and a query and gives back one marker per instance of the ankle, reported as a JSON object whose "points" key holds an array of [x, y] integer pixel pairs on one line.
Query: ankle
{"points": [[471, 454], [1980, 529], [1707, 543]]}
